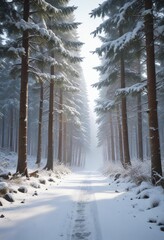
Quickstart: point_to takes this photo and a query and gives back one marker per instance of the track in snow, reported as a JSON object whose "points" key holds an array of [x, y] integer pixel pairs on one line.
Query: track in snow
{"points": [[83, 223]]}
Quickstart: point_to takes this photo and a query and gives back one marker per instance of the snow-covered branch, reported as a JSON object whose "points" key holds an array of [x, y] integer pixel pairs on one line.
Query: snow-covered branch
{"points": [[136, 88]]}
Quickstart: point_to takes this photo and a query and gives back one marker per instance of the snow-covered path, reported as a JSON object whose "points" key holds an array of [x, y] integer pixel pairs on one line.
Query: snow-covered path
{"points": [[83, 206]]}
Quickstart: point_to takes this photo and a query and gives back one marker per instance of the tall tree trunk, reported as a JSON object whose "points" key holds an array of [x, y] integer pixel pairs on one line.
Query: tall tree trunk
{"points": [[60, 125], [109, 147], [65, 150], [3, 131], [124, 112], [50, 156], [79, 157], [76, 155], [70, 150], [69, 143], [23, 115], [39, 148], [152, 96], [120, 136], [11, 129], [16, 130], [140, 139], [112, 138], [139, 116]]}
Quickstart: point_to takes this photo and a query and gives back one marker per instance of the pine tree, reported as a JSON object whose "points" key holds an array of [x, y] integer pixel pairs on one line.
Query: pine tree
{"points": [[39, 147], [152, 96], [23, 121]]}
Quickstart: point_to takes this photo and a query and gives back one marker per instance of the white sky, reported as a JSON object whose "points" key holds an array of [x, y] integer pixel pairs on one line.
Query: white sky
{"points": [[88, 25], [91, 76]]}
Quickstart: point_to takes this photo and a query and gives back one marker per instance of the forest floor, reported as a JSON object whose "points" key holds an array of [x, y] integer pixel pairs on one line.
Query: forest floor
{"points": [[83, 205]]}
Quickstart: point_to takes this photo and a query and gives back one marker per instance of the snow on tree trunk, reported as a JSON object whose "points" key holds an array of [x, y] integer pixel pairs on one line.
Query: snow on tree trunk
{"points": [[152, 97]]}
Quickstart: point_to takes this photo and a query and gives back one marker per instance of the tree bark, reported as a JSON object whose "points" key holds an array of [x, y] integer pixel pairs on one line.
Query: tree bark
{"points": [[23, 115], [50, 156], [120, 136], [11, 129], [70, 147], [156, 167], [139, 116], [16, 130], [39, 149], [3, 132], [65, 150], [60, 126], [112, 138], [109, 147], [127, 161], [79, 157]]}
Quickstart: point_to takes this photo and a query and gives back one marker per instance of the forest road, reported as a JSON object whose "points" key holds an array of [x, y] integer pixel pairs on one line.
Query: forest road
{"points": [[82, 206], [65, 210], [84, 220]]}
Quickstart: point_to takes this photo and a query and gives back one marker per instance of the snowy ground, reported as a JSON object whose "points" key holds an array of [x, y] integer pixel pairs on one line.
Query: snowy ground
{"points": [[83, 205]]}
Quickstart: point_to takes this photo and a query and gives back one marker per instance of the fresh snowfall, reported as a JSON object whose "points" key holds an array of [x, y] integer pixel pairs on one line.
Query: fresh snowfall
{"points": [[74, 204]]}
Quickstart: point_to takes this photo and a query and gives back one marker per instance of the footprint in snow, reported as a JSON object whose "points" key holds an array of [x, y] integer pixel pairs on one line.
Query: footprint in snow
{"points": [[80, 220], [79, 235]]}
